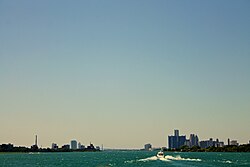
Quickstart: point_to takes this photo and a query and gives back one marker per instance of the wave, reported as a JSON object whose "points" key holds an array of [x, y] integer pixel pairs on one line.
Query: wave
{"points": [[229, 162], [226, 162]]}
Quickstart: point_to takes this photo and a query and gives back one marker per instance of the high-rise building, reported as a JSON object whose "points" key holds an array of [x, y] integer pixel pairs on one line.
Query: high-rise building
{"points": [[218, 143], [80, 146], [204, 144], [73, 144], [98, 148], [211, 143], [91, 147], [54, 146], [194, 140], [176, 132], [176, 141], [221, 144], [234, 143], [66, 147], [148, 147]]}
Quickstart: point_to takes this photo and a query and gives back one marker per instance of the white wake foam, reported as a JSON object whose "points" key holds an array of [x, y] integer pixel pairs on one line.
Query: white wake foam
{"points": [[149, 159], [228, 162], [179, 158], [168, 158], [154, 158]]}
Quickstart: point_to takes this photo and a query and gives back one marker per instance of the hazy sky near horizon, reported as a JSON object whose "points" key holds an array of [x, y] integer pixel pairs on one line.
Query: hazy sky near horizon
{"points": [[123, 73]]}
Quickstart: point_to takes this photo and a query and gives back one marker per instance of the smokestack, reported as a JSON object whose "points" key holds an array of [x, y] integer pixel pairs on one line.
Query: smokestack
{"points": [[36, 141]]}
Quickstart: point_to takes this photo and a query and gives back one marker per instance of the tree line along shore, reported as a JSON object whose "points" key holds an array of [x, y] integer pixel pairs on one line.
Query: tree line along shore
{"points": [[34, 148], [227, 148]]}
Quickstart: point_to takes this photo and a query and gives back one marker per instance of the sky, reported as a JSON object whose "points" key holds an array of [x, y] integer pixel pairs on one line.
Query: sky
{"points": [[123, 73]]}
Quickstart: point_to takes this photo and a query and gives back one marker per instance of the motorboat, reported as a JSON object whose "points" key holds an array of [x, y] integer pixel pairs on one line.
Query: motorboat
{"points": [[160, 154]]}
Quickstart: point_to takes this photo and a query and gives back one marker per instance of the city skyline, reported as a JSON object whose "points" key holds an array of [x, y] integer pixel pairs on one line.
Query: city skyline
{"points": [[194, 140], [123, 73]]}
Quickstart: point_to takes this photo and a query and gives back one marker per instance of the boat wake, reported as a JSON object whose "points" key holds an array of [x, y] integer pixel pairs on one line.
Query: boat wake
{"points": [[153, 158], [179, 158], [167, 158]]}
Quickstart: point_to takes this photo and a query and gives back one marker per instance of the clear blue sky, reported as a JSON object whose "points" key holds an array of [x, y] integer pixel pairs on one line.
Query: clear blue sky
{"points": [[123, 73]]}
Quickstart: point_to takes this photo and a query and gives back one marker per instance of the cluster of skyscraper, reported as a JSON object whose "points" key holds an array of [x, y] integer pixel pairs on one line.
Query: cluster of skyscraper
{"points": [[176, 141], [75, 146]]}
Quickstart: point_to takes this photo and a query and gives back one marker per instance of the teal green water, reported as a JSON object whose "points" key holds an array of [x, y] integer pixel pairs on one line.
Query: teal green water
{"points": [[124, 158]]}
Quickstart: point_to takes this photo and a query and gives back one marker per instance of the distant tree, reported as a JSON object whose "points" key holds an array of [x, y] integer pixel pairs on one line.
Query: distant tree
{"points": [[184, 148]]}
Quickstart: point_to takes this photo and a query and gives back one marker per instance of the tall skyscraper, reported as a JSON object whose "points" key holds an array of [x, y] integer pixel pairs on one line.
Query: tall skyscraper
{"points": [[194, 140], [176, 132], [73, 144], [176, 141], [211, 142]]}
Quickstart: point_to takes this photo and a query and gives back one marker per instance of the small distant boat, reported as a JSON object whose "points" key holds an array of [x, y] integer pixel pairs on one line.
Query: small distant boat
{"points": [[160, 154]]}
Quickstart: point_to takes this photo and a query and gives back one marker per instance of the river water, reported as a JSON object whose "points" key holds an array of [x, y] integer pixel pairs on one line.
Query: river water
{"points": [[124, 158]]}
